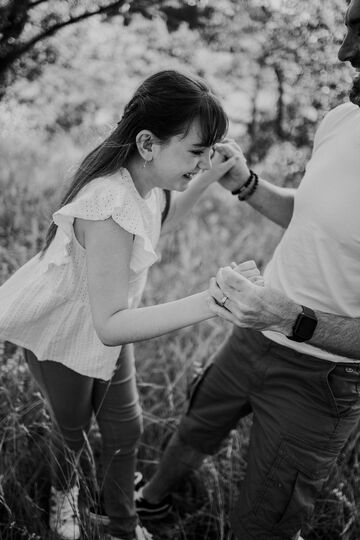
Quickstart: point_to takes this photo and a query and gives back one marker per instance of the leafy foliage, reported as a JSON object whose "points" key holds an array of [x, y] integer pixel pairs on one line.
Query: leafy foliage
{"points": [[27, 25], [274, 65]]}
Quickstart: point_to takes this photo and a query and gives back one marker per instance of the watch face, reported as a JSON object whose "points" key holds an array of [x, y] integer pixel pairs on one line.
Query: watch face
{"points": [[305, 327]]}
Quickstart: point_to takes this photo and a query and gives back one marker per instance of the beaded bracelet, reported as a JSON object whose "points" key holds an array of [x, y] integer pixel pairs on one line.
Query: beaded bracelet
{"points": [[245, 186], [252, 190], [247, 189]]}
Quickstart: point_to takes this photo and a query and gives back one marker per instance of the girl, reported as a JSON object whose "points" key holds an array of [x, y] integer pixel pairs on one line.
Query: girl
{"points": [[73, 307]]}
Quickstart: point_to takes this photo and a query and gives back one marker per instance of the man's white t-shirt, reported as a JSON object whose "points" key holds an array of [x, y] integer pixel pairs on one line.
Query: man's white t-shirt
{"points": [[317, 262]]}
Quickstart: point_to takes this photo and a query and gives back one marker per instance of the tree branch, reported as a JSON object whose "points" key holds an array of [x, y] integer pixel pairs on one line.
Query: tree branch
{"points": [[36, 3], [25, 47], [280, 101]]}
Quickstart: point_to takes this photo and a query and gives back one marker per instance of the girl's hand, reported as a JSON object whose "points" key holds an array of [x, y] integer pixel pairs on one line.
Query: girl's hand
{"points": [[220, 166], [239, 173], [249, 270]]}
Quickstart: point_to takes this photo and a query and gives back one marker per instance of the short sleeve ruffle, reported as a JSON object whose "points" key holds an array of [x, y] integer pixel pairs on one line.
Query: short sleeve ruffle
{"points": [[114, 197]]}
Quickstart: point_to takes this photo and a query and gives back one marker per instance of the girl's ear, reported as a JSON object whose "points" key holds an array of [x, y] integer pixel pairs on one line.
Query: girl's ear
{"points": [[145, 142]]}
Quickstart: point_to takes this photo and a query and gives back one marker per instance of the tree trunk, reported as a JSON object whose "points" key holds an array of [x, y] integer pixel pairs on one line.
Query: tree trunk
{"points": [[280, 108]]}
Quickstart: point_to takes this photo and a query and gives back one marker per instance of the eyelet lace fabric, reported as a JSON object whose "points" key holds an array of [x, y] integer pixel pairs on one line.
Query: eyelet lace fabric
{"points": [[45, 304]]}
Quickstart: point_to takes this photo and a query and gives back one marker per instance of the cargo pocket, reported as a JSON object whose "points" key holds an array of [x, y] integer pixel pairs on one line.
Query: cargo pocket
{"points": [[343, 388], [291, 487]]}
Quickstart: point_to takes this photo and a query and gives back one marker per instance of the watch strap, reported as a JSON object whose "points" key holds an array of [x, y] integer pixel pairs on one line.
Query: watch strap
{"points": [[304, 326]]}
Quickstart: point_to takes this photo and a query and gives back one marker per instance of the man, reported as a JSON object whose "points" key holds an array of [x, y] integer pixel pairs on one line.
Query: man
{"points": [[297, 364]]}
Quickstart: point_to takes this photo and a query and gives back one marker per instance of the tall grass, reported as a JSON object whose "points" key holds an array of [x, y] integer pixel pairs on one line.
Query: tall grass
{"points": [[220, 230]]}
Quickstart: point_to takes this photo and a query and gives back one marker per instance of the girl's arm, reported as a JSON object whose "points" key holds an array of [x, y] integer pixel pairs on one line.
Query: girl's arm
{"points": [[108, 252], [182, 203]]}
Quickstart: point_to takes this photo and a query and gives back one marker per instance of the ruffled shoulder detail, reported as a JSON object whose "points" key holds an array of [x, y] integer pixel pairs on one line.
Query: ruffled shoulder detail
{"points": [[115, 197]]}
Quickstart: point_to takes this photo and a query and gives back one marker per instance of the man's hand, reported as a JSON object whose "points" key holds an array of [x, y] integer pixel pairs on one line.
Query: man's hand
{"points": [[220, 166], [239, 173], [250, 305]]}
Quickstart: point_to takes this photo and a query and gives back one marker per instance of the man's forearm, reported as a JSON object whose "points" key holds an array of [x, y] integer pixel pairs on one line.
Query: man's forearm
{"points": [[264, 308], [333, 333], [338, 335], [274, 202]]}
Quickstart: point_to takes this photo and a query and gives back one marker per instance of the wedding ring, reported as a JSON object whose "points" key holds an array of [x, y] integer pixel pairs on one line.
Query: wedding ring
{"points": [[223, 301]]}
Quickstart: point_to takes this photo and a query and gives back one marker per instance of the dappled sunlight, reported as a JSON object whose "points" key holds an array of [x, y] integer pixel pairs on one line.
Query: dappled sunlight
{"points": [[276, 72]]}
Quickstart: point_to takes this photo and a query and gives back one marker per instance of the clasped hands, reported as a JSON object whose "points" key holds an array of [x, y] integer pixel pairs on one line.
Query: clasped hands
{"points": [[228, 166], [238, 294], [234, 291]]}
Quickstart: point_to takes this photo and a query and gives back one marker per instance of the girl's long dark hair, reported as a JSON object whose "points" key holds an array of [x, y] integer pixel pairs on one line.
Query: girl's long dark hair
{"points": [[166, 104]]}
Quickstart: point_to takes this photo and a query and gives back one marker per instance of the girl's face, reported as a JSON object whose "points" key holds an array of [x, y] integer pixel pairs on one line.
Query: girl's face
{"points": [[176, 162]]}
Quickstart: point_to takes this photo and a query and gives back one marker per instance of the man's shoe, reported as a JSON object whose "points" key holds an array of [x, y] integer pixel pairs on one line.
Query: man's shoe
{"points": [[64, 513], [148, 510]]}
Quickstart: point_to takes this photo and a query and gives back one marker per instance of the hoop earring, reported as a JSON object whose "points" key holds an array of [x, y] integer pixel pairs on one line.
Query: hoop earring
{"points": [[146, 162]]}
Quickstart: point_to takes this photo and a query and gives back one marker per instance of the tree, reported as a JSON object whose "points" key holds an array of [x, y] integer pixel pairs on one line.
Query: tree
{"points": [[285, 57], [27, 25]]}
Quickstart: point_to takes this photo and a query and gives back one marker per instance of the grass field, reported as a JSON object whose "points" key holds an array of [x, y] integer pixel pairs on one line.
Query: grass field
{"points": [[220, 230]]}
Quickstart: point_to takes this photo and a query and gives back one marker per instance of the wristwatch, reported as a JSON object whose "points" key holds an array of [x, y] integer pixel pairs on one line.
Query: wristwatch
{"points": [[304, 326]]}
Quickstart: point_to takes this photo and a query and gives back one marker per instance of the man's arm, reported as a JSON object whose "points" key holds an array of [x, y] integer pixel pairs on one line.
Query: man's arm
{"points": [[274, 202], [262, 308], [338, 335]]}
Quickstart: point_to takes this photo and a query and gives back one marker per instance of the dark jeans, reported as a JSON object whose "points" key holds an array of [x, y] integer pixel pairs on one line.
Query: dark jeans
{"points": [[304, 410], [72, 399]]}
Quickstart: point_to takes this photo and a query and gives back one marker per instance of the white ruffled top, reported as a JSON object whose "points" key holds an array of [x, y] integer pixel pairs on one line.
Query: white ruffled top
{"points": [[45, 307]]}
